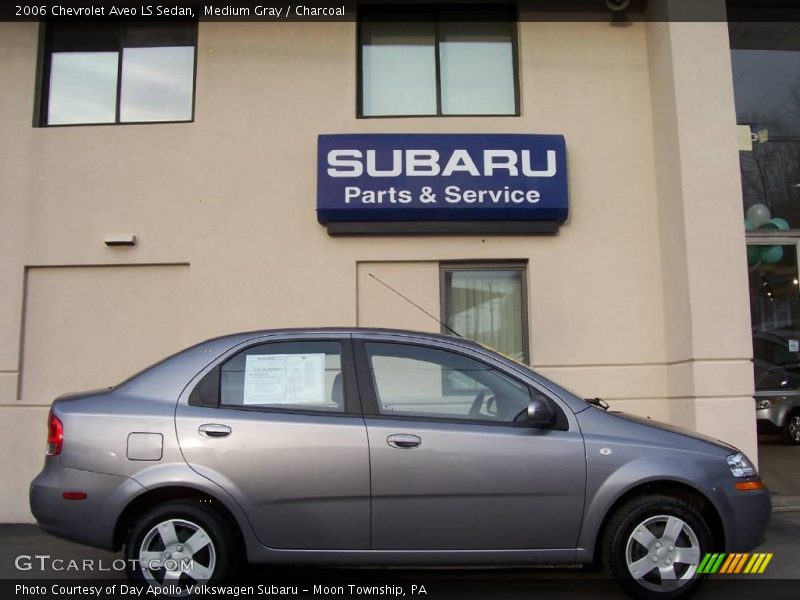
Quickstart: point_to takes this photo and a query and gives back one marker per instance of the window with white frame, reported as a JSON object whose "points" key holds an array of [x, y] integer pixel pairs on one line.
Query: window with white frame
{"points": [[487, 303]]}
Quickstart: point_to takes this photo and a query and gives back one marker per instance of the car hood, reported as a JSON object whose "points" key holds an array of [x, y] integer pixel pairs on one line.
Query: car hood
{"points": [[673, 429]]}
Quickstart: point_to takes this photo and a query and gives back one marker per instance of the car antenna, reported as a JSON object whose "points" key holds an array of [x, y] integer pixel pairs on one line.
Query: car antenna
{"points": [[414, 304]]}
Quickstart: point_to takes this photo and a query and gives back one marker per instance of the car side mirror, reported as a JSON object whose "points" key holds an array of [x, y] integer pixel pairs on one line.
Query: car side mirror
{"points": [[539, 413]]}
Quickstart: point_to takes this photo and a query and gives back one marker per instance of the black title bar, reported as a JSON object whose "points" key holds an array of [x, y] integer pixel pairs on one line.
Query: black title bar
{"points": [[348, 10]]}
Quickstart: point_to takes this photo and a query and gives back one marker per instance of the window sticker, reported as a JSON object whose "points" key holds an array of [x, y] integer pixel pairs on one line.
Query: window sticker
{"points": [[284, 379]]}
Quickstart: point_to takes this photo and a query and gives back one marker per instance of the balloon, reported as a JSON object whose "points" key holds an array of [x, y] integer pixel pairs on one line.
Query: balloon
{"points": [[776, 223], [748, 225], [758, 214], [771, 254], [753, 255]]}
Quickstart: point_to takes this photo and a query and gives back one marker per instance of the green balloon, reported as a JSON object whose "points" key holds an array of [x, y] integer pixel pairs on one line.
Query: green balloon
{"points": [[771, 254], [776, 223], [758, 214], [753, 255], [748, 225]]}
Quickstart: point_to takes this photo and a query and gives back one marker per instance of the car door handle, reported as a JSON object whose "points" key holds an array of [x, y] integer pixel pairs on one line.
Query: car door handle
{"points": [[404, 440], [214, 430]]}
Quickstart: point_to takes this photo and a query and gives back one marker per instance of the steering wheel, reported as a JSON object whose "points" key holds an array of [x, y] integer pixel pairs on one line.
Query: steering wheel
{"points": [[475, 409]]}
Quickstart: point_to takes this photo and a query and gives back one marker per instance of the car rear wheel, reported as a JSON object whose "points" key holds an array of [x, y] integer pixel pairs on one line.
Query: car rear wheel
{"points": [[180, 543], [790, 432], [653, 546]]}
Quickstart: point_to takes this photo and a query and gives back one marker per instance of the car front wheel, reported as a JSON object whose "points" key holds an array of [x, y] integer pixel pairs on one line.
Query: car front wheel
{"points": [[179, 543], [653, 546], [790, 432]]}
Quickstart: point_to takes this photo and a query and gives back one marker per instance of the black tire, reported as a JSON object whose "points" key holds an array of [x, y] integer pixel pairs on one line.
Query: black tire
{"points": [[680, 556], [790, 432], [213, 559]]}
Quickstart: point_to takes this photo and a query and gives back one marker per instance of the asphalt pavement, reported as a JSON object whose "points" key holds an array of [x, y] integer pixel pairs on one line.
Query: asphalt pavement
{"points": [[779, 466]]}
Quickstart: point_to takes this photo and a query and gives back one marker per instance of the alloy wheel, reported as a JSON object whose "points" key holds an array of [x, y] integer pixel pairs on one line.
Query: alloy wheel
{"points": [[662, 553], [794, 428], [176, 551]]}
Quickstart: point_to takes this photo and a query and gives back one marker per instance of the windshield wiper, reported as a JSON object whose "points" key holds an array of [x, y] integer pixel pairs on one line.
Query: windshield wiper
{"points": [[598, 402]]}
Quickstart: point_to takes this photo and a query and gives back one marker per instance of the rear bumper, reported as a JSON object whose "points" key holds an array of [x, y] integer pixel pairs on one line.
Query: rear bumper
{"points": [[90, 521]]}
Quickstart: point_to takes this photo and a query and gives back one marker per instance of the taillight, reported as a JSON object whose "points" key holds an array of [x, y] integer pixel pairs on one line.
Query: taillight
{"points": [[55, 434]]}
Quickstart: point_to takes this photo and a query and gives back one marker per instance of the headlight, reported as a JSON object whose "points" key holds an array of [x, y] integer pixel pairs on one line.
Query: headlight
{"points": [[765, 403], [740, 466]]}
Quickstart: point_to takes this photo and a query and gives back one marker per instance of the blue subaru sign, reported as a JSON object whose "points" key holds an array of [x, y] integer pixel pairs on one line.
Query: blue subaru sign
{"points": [[441, 177]]}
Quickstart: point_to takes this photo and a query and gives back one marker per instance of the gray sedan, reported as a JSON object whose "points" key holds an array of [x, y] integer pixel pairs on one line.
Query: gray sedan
{"points": [[379, 447]]}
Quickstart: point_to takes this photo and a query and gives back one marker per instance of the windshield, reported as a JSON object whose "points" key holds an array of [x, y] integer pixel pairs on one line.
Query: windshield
{"points": [[776, 360]]}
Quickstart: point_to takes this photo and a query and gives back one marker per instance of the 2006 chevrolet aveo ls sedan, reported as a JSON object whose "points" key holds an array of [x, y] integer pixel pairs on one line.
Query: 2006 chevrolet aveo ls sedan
{"points": [[378, 447]]}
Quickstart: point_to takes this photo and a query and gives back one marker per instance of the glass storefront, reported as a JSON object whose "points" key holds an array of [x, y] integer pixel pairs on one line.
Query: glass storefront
{"points": [[765, 58]]}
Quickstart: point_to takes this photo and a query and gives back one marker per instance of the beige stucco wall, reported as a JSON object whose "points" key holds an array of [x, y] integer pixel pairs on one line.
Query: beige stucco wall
{"points": [[620, 301]]}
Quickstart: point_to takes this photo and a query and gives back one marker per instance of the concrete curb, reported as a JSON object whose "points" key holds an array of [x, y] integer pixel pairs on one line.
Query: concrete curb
{"points": [[785, 503]]}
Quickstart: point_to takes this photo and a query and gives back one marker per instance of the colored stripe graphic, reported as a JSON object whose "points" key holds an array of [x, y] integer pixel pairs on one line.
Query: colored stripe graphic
{"points": [[734, 563], [732, 558], [767, 558], [717, 563], [741, 562], [702, 566], [711, 563], [760, 563], [753, 561]]}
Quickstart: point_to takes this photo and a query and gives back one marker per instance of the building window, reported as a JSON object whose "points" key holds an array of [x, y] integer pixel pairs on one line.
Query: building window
{"points": [[765, 59], [487, 303], [96, 73], [438, 62]]}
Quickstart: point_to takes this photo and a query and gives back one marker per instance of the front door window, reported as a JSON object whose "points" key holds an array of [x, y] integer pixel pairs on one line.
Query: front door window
{"points": [[417, 381]]}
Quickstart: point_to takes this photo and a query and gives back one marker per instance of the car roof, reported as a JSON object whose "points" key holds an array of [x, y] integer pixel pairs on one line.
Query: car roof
{"points": [[348, 331]]}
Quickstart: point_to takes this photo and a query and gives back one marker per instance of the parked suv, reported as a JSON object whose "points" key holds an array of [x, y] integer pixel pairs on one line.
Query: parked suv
{"points": [[379, 447]]}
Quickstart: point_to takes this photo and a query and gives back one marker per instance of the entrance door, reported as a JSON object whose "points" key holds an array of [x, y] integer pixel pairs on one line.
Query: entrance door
{"points": [[775, 315]]}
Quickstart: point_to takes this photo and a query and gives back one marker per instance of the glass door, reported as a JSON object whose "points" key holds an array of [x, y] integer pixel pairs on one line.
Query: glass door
{"points": [[775, 314], [774, 288]]}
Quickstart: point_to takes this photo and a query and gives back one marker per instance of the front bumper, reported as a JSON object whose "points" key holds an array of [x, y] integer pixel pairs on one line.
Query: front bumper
{"points": [[90, 521], [747, 516], [769, 418]]}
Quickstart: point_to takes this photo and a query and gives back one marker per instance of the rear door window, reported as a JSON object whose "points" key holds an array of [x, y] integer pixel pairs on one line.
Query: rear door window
{"points": [[296, 375]]}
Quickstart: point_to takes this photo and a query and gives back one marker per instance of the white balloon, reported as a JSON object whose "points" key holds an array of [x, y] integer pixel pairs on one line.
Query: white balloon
{"points": [[758, 214]]}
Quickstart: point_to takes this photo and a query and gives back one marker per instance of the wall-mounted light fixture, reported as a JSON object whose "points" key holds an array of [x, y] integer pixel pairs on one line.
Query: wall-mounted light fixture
{"points": [[120, 239]]}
